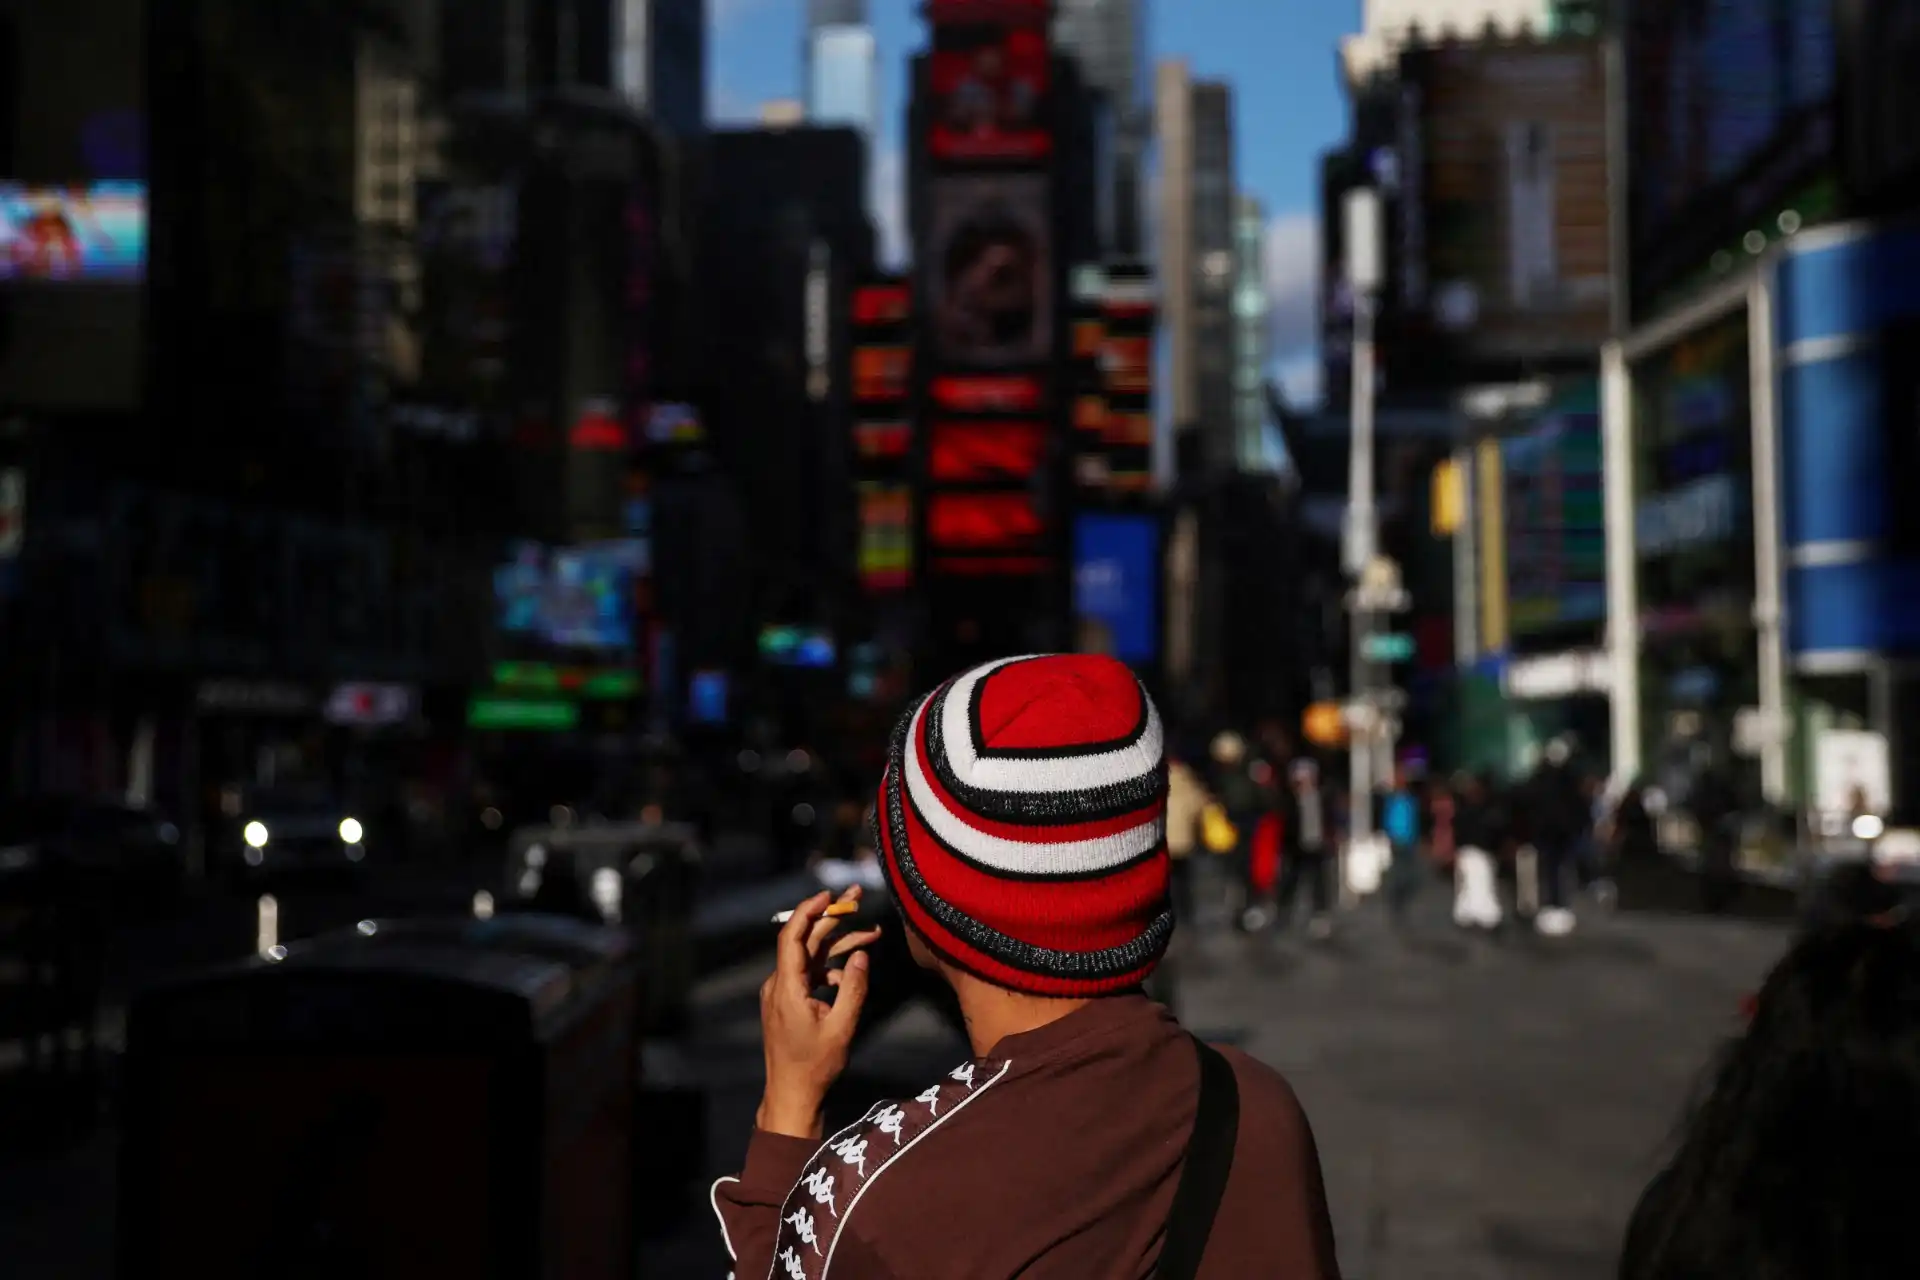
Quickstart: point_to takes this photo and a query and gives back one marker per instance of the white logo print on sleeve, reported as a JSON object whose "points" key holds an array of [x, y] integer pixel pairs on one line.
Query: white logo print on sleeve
{"points": [[838, 1174]]}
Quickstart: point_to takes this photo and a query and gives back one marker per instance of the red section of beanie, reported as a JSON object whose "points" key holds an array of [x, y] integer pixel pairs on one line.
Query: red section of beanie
{"points": [[1059, 703]]}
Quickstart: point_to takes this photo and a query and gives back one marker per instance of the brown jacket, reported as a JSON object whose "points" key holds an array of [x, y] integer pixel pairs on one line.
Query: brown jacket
{"points": [[1054, 1157]]}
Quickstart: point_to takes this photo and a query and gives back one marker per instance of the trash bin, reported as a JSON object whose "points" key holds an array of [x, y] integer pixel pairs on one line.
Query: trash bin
{"points": [[639, 876], [380, 1108]]}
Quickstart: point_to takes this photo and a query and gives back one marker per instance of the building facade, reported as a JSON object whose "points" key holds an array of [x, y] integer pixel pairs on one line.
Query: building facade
{"points": [[1108, 39], [842, 74], [1252, 333], [659, 60]]}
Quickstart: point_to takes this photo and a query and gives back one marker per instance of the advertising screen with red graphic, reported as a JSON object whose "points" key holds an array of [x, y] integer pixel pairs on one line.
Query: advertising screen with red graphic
{"points": [[881, 373], [984, 523], [882, 441], [881, 304], [1018, 393], [985, 452], [989, 93], [1128, 363]]}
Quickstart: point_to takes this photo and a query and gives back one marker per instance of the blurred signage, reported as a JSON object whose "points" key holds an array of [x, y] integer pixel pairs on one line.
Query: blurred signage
{"points": [[1116, 582], [988, 89], [550, 714], [368, 706], [880, 374], [254, 697], [77, 233], [886, 536], [1128, 314], [881, 304], [983, 522], [1556, 517], [1128, 362], [580, 597], [1389, 647], [974, 452], [1559, 675], [707, 697], [1510, 183], [607, 684], [1705, 512], [1089, 339], [597, 428], [806, 647], [989, 269], [1014, 566], [882, 441], [1012, 393], [674, 424]]}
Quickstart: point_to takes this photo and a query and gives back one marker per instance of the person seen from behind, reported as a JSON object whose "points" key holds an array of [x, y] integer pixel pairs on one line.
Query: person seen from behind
{"points": [[1187, 800], [1239, 794], [1020, 824], [1557, 815], [1799, 1162], [1476, 836], [1307, 829], [1400, 823]]}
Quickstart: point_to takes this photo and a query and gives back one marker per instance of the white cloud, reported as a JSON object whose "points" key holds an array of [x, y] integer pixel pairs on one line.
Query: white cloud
{"points": [[887, 200], [1292, 252]]}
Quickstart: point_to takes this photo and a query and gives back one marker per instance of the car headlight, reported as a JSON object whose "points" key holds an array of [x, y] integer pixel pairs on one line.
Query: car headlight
{"points": [[351, 831], [255, 834]]}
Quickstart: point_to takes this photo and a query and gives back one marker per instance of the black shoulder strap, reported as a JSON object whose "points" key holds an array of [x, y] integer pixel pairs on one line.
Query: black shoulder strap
{"points": [[1203, 1175]]}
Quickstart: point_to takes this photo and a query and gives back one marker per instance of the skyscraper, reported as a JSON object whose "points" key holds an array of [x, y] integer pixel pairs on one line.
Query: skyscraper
{"points": [[1250, 333], [842, 84], [1108, 38], [1194, 136]]}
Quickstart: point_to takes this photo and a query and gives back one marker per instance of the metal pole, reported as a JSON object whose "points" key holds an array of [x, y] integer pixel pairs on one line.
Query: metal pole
{"points": [[1623, 599], [1768, 603], [1361, 513]]}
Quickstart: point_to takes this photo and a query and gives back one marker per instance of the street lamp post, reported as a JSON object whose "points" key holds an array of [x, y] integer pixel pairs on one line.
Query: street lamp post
{"points": [[1364, 272]]}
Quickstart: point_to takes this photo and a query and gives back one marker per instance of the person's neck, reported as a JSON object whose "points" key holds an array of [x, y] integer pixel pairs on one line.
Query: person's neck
{"points": [[994, 1013]]}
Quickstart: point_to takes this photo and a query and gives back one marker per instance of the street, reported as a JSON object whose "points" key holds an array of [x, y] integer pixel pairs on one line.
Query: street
{"points": [[1485, 1110]]}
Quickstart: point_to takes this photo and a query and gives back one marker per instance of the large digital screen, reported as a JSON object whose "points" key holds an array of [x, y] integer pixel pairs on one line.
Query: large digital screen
{"points": [[1555, 520], [1116, 582], [882, 441], [573, 597], [1018, 393], [989, 270], [881, 373], [983, 452], [87, 232], [880, 304], [983, 522], [989, 90]]}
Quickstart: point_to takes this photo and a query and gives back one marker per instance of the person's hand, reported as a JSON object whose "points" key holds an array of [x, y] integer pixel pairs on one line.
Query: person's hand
{"points": [[807, 1040]]}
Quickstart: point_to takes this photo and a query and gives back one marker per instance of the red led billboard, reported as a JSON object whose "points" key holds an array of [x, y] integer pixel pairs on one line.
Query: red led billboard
{"points": [[977, 452], [882, 440], [1015, 393], [983, 522], [878, 304], [881, 373], [989, 92]]}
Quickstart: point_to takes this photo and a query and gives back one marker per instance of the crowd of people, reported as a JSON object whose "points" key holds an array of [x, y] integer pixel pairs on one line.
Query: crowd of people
{"points": [[1267, 823]]}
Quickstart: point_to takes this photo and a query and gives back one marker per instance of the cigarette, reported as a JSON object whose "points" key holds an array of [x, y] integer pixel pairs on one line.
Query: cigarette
{"points": [[837, 909]]}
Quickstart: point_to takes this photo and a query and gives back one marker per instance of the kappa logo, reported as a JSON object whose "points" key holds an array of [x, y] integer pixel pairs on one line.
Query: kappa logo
{"points": [[844, 1167]]}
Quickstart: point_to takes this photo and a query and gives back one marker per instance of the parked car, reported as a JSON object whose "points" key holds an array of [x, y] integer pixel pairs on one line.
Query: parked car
{"points": [[291, 830]]}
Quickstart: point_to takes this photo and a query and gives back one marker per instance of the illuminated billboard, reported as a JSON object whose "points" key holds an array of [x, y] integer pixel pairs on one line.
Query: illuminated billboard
{"points": [[1116, 582], [989, 93], [989, 270], [881, 373], [886, 536], [882, 441], [982, 523], [982, 452], [881, 304], [1128, 364], [1018, 393], [83, 232]]}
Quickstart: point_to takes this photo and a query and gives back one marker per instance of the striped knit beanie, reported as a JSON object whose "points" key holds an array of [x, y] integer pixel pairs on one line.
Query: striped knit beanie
{"points": [[1022, 824]]}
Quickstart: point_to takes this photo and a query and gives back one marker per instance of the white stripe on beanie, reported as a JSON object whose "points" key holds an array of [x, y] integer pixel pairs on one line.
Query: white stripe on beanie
{"points": [[1023, 857], [1038, 776]]}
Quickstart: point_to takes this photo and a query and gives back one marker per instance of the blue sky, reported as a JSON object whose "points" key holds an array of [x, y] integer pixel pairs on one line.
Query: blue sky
{"points": [[1279, 56]]}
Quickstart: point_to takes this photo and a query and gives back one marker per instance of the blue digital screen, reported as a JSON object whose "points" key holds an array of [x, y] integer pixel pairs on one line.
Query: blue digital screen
{"points": [[571, 597], [1116, 581], [707, 697]]}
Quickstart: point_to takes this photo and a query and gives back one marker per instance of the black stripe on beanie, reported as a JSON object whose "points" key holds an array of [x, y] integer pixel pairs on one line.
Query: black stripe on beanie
{"points": [[1110, 962], [1035, 808]]}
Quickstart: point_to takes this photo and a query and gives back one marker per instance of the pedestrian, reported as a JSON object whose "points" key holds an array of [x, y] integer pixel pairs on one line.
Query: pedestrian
{"points": [[1798, 1164], [1239, 794], [1476, 884], [1400, 824], [1309, 836], [1087, 1134], [1187, 800], [1715, 809], [1558, 814]]}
